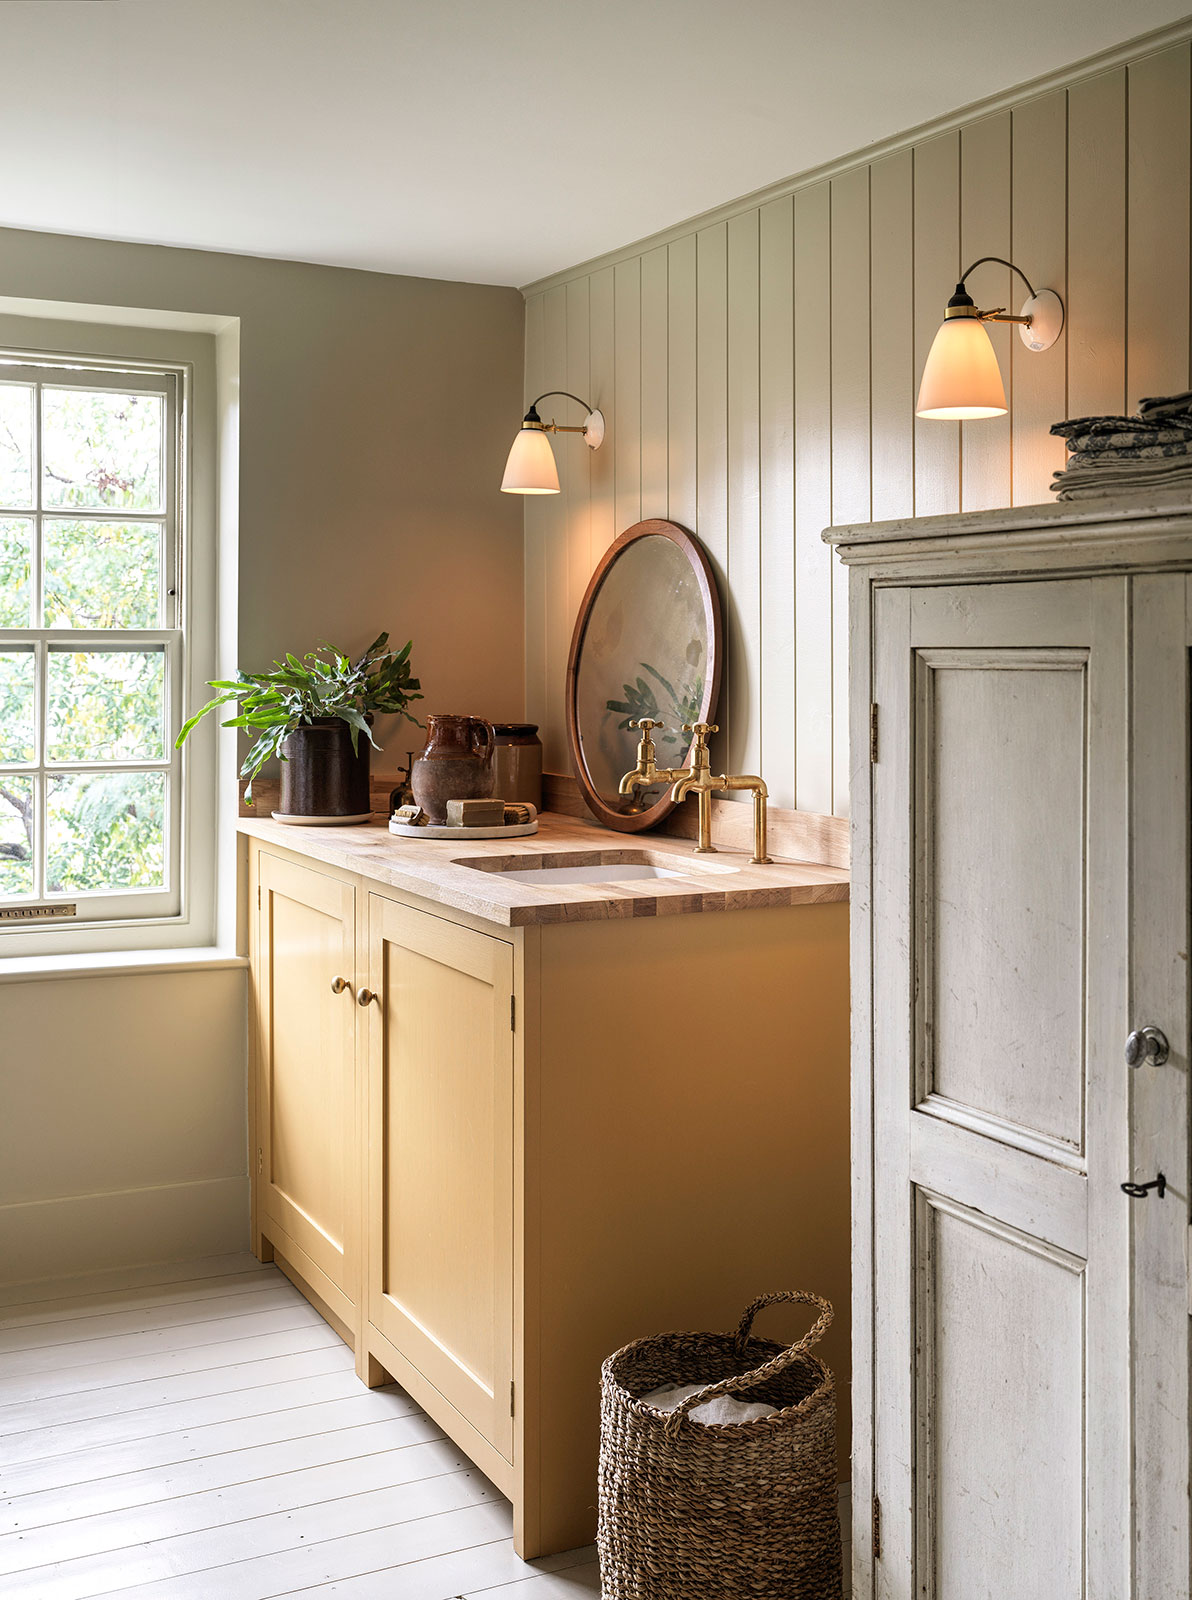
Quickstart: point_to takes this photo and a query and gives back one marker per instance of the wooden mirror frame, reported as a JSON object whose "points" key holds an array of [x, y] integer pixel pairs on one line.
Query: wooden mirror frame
{"points": [[639, 821]]}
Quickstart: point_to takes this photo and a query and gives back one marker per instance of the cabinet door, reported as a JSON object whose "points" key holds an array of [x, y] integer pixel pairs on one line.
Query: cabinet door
{"points": [[306, 1074], [441, 1158], [1161, 923], [1001, 1234]]}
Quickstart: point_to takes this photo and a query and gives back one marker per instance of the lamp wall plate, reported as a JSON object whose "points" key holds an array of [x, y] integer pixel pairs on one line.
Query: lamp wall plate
{"points": [[594, 429], [1046, 311]]}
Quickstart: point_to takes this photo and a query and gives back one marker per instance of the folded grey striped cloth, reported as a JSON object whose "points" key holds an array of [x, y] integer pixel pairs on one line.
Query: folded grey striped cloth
{"points": [[1083, 479]]}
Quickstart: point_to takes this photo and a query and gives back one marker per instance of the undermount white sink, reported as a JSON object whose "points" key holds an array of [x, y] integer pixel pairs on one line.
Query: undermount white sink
{"points": [[604, 866], [624, 873]]}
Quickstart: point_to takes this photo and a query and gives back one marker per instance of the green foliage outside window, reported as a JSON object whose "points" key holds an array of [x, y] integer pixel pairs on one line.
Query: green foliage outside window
{"points": [[100, 452]]}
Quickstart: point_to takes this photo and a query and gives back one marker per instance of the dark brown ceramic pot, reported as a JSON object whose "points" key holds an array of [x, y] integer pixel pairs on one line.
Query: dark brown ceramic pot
{"points": [[456, 764], [322, 776]]}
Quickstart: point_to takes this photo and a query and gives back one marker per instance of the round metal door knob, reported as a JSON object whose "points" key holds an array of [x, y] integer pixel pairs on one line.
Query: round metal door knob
{"points": [[366, 997], [338, 985], [1147, 1044]]}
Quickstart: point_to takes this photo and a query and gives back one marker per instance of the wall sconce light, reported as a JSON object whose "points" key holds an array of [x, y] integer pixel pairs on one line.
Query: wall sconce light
{"points": [[961, 379], [531, 468]]}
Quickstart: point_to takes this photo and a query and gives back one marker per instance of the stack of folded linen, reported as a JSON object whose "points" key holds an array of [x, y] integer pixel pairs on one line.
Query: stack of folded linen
{"points": [[1112, 455]]}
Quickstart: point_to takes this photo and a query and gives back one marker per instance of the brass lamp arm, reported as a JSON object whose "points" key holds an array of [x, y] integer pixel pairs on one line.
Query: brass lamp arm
{"points": [[998, 314]]}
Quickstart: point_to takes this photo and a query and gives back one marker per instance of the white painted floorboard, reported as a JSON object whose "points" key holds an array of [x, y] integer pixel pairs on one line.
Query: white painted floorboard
{"points": [[197, 1432]]}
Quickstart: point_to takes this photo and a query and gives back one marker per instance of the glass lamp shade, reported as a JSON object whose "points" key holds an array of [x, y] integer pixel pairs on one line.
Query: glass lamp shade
{"points": [[961, 379], [531, 468]]}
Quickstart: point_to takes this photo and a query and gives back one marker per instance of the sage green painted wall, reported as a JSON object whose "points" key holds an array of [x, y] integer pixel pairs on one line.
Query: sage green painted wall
{"points": [[375, 414]]}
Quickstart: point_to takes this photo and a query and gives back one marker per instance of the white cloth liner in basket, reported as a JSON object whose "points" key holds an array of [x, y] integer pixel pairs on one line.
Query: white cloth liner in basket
{"points": [[722, 1412]]}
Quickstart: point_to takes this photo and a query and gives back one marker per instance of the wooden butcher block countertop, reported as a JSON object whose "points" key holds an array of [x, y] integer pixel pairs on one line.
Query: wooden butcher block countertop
{"points": [[439, 871]]}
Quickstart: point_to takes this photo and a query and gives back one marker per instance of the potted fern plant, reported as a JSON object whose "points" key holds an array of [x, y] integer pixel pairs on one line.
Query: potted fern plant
{"points": [[315, 715]]}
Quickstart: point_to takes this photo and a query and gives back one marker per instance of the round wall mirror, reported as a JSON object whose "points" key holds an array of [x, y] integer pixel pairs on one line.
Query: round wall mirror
{"points": [[647, 643]]}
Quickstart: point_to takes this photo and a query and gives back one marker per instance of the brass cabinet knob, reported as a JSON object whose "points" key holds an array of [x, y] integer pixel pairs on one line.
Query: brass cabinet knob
{"points": [[338, 985], [366, 996]]}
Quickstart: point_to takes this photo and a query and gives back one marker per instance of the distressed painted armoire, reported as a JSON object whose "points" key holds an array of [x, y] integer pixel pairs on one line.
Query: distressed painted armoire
{"points": [[1021, 911]]}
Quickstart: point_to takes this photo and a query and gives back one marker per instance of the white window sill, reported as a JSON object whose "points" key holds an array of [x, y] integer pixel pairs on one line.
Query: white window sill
{"points": [[117, 963]]}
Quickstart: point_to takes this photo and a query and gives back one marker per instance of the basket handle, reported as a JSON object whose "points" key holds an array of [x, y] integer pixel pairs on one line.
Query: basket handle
{"points": [[768, 1369]]}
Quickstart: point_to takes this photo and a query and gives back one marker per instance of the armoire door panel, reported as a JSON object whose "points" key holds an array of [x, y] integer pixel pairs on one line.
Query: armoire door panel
{"points": [[441, 1157], [307, 1077], [1000, 1342], [1000, 861], [1001, 736]]}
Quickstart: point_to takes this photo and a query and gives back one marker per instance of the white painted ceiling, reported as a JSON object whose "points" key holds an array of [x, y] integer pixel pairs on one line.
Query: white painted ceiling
{"points": [[488, 140]]}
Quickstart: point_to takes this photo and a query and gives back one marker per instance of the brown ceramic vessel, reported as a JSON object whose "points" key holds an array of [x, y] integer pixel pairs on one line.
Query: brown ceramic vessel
{"points": [[517, 764], [456, 764]]}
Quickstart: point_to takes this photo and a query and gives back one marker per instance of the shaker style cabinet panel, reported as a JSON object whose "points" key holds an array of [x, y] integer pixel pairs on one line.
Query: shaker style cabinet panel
{"points": [[307, 1186], [1024, 1412], [441, 1158]]}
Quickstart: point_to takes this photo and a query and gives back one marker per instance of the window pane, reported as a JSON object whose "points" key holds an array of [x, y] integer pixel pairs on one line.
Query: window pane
{"points": [[101, 574], [106, 705], [16, 572], [16, 444], [16, 835], [105, 830], [16, 705], [100, 449]]}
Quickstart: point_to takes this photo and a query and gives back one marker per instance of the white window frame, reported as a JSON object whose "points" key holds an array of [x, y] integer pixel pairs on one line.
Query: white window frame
{"points": [[182, 912]]}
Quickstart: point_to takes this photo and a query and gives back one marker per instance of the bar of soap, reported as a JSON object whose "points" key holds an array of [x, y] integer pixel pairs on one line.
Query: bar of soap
{"points": [[475, 813]]}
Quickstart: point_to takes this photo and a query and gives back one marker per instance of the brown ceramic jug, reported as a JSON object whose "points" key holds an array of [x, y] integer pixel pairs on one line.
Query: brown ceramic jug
{"points": [[456, 764]]}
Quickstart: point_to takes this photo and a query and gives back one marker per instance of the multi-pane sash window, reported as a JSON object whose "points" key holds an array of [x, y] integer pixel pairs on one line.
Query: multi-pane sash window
{"points": [[90, 644]]}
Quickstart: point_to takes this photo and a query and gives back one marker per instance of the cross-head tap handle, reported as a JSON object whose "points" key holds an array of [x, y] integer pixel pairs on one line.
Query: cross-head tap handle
{"points": [[701, 730], [644, 723]]}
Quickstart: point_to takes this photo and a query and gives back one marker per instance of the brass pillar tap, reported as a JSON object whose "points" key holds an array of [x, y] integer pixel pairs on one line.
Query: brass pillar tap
{"points": [[699, 780], [646, 773], [696, 778]]}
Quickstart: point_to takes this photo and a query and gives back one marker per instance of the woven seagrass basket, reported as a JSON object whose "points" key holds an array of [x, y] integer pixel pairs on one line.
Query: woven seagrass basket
{"points": [[739, 1512]]}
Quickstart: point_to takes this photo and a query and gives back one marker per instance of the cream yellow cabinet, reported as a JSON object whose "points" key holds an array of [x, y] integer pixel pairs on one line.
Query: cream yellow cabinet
{"points": [[440, 1298], [307, 1199], [565, 1134]]}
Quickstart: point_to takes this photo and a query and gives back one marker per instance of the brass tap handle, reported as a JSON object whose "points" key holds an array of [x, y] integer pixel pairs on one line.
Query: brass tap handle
{"points": [[645, 724], [701, 729]]}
